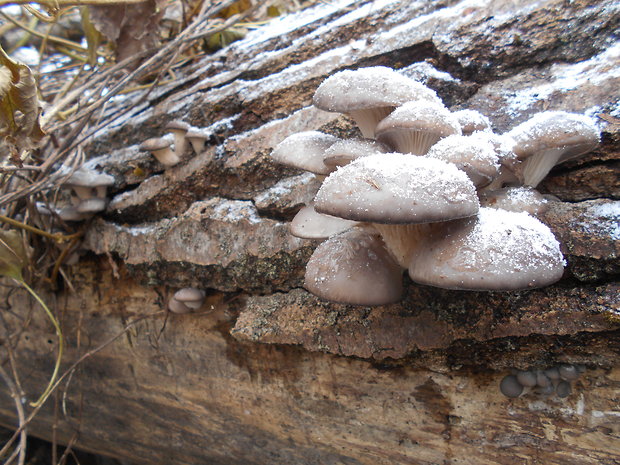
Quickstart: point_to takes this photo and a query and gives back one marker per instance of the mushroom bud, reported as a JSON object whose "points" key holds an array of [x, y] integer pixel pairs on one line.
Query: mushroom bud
{"points": [[185, 300]]}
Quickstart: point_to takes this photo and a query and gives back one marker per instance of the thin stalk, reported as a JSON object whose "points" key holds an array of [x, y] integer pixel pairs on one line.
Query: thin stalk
{"points": [[61, 343]]}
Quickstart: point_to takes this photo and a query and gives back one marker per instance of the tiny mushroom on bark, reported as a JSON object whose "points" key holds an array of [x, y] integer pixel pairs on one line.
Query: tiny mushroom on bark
{"points": [[510, 386], [179, 130], [550, 138], [369, 94], [186, 300], [197, 137], [415, 126], [90, 188], [354, 267], [160, 148]]}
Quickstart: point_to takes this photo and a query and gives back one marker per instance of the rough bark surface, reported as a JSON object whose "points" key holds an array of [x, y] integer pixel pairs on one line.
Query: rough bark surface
{"points": [[267, 373]]}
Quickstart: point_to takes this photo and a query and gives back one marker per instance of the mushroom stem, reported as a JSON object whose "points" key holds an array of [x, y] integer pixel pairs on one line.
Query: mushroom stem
{"points": [[367, 119], [402, 240]]}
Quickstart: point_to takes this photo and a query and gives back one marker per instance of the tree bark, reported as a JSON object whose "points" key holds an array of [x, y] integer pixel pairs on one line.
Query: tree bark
{"points": [[267, 373]]}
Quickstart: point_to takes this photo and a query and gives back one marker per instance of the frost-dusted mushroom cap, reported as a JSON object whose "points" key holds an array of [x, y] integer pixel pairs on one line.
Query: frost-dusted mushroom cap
{"points": [[305, 150], [415, 126], [369, 94], [354, 267], [473, 154], [515, 199], [552, 137], [309, 224], [86, 177], [346, 150], [397, 188], [472, 121], [156, 143], [363, 88], [496, 250]]}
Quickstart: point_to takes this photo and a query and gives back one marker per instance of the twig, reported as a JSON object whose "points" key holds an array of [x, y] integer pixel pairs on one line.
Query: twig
{"points": [[88, 354], [21, 448]]}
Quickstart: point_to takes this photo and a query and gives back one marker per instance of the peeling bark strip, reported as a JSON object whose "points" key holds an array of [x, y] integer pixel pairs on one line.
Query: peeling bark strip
{"points": [[265, 372]]}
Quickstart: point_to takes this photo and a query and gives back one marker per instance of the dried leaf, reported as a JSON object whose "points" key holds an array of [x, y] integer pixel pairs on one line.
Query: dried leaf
{"points": [[19, 104], [13, 256], [273, 11], [132, 28], [238, 7]]}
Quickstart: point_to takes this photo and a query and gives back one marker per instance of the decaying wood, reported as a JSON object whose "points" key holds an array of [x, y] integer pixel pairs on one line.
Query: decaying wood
{"points": [[267, 373]]}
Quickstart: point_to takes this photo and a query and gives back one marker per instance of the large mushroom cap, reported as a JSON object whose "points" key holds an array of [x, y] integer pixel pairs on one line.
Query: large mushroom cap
{"points": [[397, 188], [363, 88], [552, 137], [354, 267], [415, 126], [496, 250], [473, 154], [369, 94], [305, 150]]}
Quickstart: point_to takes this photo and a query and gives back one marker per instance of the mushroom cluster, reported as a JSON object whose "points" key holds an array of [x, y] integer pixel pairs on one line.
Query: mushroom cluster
{"points": [[169, 149], [556, 379], [88, 195], [426, 190]]}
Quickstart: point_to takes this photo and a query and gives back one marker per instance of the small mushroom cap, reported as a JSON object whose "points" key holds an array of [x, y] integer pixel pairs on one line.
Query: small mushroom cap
{"points": [[472, 121], [552, 373], [195, 133], [496, 250], [527, 378], [550, 138], [177, 125], [397, 188], [364, 88], [190, 296], [473, 154], [568, 372], [309, 224], [178, 307], [415, 126], [156, 143], [510, 386], [515, 199], [354, 267], [563, 389], [305, 150], [86, 177], [542, 380], [345, 151]]}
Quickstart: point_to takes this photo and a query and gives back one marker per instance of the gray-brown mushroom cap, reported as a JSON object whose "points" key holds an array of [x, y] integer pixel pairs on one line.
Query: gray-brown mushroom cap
{"points": [[305, 150], [309, 224], [474, 154], [415, 126], [191, 297], [160, 148], [354, 267], [395, 188], [472, 121], [550, 138], [495, 250], [345, 151], [179, 130], [88, 183], [369, 94]]}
